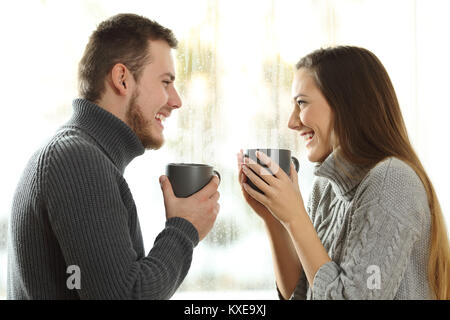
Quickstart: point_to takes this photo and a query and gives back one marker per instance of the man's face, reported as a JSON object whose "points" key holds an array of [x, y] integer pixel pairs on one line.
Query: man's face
{"points": [[154, 97]]}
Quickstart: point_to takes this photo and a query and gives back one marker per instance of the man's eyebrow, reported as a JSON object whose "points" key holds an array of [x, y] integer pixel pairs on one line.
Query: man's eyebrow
{"points": [[169, 74]]}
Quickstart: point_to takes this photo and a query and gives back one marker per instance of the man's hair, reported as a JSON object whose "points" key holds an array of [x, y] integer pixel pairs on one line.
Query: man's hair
{"points": [[123, 38]]}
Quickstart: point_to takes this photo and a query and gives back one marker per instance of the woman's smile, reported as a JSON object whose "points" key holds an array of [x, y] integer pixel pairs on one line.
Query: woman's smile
{"points": [[308, 137]]}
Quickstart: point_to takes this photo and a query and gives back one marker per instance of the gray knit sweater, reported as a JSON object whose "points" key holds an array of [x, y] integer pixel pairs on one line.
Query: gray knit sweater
{"points": [[375, 226], [73, 207]]}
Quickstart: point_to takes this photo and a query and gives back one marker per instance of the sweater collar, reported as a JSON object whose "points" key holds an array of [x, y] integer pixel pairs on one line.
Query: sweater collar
{"points": [[344, 176], [116, 138]]}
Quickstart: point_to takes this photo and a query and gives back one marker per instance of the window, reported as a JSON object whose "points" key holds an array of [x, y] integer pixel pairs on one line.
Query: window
{"points": [[234, 70]]}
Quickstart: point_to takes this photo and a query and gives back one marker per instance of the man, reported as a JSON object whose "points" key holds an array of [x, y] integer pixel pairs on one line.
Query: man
{"points": [[74, 231]]}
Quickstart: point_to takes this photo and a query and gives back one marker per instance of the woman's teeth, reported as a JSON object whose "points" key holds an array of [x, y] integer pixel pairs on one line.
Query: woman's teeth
{"points": [[309, 136]]}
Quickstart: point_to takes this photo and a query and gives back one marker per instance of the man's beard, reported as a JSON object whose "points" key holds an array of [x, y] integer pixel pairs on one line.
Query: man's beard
{"points": [[141, 126]]}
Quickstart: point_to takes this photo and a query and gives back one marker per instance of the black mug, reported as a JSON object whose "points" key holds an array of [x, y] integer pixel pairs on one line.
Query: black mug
{"points": [[189, 178], [280, 156]]}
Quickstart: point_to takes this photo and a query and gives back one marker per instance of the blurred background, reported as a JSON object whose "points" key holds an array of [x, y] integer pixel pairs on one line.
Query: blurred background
{"points": [[234, 69]]}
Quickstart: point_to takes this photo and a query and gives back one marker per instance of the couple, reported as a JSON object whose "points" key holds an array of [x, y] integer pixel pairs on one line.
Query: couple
{"points": [[372, 228]]}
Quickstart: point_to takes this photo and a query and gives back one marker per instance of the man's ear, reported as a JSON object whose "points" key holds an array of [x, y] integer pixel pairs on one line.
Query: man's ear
{"points": [[120, 79]]}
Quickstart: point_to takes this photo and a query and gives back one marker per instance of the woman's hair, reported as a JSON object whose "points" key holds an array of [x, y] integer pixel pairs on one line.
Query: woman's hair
{"points": [[369, 127]]}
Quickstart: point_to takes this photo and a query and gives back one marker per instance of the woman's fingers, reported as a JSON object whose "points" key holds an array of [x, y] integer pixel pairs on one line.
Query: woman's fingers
{"points": [[294, 175], [262, 172], [255, 194], [239, 157], [272, 165], [242, 177], [257, 181]]}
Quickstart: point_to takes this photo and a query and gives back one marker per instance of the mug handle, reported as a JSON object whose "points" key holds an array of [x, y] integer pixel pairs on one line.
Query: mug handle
{"points": [[218, 175], [296, 163]]}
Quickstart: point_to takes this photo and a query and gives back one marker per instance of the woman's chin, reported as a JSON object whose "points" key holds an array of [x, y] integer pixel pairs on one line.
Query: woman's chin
{"points": [[314, 156], [312, 159]]}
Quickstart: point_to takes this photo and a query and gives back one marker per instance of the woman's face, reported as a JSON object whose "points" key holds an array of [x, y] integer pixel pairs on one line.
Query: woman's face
{"points": [[312, 116]]}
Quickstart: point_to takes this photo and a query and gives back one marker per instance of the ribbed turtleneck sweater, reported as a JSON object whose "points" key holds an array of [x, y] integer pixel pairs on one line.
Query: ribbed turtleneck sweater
{"points": [[375, 226], [73, 215]]}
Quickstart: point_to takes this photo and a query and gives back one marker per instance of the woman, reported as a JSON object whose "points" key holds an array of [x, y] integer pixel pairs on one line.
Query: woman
{"points": [[373, 227]]}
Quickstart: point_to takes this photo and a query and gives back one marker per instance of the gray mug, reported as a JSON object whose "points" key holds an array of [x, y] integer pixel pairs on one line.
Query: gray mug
{"points": [[189, 178], [281, 156]]}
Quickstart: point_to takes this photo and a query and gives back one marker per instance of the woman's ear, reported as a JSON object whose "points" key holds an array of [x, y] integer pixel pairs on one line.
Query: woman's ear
{"points": [[120, 79]]}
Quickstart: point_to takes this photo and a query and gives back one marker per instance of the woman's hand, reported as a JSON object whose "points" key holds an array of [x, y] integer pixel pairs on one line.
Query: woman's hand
{"points": [[283, 200], [281, 196], [259, 208]]}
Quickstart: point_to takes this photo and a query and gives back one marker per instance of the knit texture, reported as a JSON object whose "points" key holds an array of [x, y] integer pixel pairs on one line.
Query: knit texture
{"points": [[375, 225], [72, 206]]}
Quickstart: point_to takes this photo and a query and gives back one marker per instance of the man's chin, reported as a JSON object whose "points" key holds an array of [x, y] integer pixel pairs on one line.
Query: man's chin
{"points": [[155, 146], [152, 143]]}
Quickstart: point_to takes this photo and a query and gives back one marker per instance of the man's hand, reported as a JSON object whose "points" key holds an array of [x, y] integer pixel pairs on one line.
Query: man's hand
{"points": [[200, 209]]}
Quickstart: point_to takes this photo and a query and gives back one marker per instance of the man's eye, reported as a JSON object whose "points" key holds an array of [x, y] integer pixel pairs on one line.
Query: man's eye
{"points": [[166, 83]]}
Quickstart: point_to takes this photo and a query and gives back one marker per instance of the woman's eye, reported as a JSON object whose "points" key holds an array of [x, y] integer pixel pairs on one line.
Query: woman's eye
{"points": [[300, 102], [166, 83]]}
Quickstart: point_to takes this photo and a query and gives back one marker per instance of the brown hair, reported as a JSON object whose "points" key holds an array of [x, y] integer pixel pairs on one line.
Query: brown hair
{"points": [[122, 38], [369, 127]]}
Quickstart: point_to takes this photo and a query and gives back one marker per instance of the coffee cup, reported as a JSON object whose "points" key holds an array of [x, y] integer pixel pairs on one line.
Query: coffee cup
{"points": [[189, 178], [282, 157]]}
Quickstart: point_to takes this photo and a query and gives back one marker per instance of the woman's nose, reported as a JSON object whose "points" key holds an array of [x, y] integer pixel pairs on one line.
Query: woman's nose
{"points": [[294, 121]]}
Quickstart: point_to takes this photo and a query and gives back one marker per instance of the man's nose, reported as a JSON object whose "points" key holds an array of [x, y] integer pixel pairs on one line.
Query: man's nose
{"points": [[174, 99]]}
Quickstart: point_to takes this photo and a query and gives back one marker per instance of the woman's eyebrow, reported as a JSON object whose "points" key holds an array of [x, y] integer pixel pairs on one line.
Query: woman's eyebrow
{"points": [[299, 95]]}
